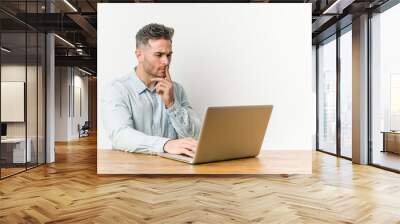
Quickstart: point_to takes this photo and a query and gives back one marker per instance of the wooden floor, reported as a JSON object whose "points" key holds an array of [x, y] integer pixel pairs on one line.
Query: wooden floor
{"points": [[5, 172], [387, 159], [70, 191], [8, 171]]}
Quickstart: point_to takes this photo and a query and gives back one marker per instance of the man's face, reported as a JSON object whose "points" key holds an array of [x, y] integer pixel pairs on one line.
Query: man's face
{"points": [[155, 57]]}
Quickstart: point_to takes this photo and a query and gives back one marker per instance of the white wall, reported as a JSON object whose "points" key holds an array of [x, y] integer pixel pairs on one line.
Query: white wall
{"points": [[80, 83], [61, 103], [224, 54], [67, 80], [12, 101]]}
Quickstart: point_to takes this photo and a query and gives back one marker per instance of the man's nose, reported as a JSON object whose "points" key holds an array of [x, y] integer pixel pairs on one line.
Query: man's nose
{"points": [[165, 60]]}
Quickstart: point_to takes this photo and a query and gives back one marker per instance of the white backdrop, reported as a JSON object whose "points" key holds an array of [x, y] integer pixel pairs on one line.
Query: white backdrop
{"points": [[224, 54]]}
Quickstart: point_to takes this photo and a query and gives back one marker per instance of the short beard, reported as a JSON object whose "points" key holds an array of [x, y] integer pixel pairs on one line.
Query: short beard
{"points": [[149, 72]]}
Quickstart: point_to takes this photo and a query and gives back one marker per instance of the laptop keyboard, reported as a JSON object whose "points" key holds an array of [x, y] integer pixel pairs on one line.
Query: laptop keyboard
{"points": [[177, 157]]}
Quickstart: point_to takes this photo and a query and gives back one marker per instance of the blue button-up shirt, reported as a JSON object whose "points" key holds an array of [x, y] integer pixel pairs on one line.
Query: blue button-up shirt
{"points": [[136, 119]]}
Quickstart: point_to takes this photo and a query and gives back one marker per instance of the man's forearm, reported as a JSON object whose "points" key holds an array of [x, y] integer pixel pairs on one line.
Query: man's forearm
{"points": [[129, 139], [185, 121]]}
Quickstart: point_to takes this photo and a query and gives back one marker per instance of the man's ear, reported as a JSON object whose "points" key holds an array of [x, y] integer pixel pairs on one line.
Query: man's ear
{"points": [[139, 54]]}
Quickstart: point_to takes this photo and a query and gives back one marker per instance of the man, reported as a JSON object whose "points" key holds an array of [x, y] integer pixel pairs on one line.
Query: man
{"points": [[146, 111]]}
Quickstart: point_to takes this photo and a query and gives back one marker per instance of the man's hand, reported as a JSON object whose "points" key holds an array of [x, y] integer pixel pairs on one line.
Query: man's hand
{"points": [[185, 146], [165, 88]]}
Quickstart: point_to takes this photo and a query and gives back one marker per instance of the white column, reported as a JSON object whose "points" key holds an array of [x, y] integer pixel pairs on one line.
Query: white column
{"points": [[50, 92], [50, 100], [360, 90]]}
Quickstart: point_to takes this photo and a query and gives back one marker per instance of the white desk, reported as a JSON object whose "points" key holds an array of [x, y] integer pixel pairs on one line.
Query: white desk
{"points": [[18, 149]]}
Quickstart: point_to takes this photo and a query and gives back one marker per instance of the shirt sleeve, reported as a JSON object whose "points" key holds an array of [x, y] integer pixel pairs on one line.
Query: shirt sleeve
{"points": [[118, 122], [182, 116]]}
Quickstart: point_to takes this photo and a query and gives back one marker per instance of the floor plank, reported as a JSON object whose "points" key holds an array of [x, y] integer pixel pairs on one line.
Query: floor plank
{"points": [[70, 191]]}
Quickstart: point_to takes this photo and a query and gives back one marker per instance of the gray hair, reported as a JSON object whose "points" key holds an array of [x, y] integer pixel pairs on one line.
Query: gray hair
{"points": [[153, 31]]}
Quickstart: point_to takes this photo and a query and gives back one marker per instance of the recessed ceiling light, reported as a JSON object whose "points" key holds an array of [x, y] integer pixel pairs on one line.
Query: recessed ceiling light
{"points": [[84, 71], [338, 6], [64, 40], [70, 5], [5, 50]]}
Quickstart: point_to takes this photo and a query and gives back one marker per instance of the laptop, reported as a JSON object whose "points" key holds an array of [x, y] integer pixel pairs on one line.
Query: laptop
{"points": [[229, 133]]}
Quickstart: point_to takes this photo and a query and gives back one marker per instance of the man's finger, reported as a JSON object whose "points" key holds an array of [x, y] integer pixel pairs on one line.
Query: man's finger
{"points": [[159, 80], [159, 91], [193, 144], [188, 152], [189, 147], [193, 141], [162, 85], [168, 76]]}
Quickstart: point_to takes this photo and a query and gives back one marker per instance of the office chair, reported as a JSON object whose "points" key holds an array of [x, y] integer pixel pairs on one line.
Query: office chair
{"points": [[84, 130]]}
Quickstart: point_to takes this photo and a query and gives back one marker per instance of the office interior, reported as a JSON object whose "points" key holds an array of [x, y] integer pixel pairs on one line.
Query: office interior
{"points": [[48, 107]]}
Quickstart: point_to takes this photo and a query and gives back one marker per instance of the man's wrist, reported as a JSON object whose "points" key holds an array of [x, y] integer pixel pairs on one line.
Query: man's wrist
{"points": [[170, 104], [165, 145]]}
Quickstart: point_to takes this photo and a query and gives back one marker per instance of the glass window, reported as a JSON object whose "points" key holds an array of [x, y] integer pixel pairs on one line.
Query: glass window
{"points": [[385, 84], [346, 94], [41, 87], [14, 153], [31, 101], [327, 96], [22, 91]]}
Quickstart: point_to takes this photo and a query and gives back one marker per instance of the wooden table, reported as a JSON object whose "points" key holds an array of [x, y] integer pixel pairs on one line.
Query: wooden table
{"points": [[268, 162], [391, 141]]}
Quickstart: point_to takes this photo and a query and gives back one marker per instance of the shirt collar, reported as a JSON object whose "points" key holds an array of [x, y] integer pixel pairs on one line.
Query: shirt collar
{"points": [[138, 84]]}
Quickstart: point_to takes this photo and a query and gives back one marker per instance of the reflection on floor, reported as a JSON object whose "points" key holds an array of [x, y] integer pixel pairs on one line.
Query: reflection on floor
{"points": [[10, 169], [386, 159], [346, 152]]}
